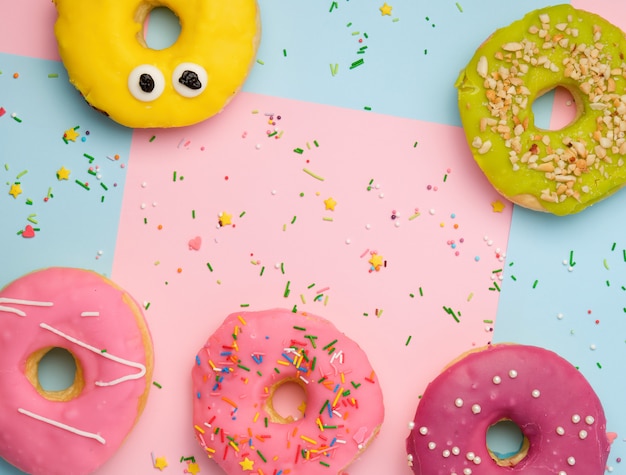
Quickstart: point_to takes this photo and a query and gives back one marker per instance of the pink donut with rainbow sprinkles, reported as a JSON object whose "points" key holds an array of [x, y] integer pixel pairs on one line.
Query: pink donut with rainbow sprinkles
{"points": [[559, 414], [75, 430], [237, 378]]}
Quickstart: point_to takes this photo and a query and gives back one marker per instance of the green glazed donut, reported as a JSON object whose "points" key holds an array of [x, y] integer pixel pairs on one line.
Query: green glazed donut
{"points": [[557, 171]]}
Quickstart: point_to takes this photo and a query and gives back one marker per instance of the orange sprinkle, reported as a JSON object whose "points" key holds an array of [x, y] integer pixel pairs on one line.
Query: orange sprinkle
{"points": [[179, 270], [232, 403], [160, 226], [16, 75]]}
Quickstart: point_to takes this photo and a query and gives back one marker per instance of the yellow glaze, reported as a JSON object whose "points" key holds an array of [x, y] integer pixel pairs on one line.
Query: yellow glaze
{"points": [[558, 171], [101, 42]]}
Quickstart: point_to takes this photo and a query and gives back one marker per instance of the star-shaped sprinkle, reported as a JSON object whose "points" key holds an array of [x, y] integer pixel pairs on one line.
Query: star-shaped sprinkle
{"points": [[385, 9], [193, 467], [63, 173], [225, 219], [497, 206], [70, 134], [160, 463], [376, 261], [16, 190], [247, 464], [330, 204]]}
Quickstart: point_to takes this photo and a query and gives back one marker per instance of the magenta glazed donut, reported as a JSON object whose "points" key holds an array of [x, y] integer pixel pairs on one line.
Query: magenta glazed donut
{"points": [[235, 378], [75, 430], [556, 409]]}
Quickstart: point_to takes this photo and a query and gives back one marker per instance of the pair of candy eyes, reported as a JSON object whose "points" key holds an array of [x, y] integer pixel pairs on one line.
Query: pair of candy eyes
{"points": [[147, 83]]}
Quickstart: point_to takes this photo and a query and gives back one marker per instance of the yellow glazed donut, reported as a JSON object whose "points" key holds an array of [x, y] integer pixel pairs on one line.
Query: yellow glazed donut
{"points": [[558, 171], [102, 46]]}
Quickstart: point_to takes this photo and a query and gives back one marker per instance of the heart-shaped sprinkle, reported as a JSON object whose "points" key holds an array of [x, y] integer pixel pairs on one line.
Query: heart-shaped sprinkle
{"points": [[28, 232], [195, 243]]}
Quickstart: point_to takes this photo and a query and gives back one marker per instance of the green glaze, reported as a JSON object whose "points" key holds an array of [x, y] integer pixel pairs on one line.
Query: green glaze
{"points": [[588, 154]]}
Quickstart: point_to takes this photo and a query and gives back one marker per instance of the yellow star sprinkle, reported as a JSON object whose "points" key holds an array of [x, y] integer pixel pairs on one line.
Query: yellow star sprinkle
{"points": [[193, 468], [70, 134], [160, 463], [498, 206], [15, 190], [330, 204], [385, 9], [376, 260], [225, 219], [247, 464], [63, 173]]}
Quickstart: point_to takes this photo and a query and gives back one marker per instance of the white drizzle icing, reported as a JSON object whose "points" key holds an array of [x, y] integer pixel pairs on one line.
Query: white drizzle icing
{"points": [[60, 425], [90, 314], [17, 311], [117, 359]]}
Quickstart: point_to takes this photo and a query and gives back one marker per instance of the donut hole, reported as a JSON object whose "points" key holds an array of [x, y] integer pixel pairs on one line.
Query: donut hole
{"points": [[506, 443], [556, 108], [287, 400], [55, 373], [161, 26]]}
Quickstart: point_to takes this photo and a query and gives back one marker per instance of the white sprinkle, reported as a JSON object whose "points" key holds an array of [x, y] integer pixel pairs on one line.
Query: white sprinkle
{"points": [[589, 420], [476, 408], [423, 430], [592, 347], [411, 425], [535, 393], [571, 461], [582, 434], [512, 374], [144, 184], [446, 453], [432, 445], [458, 402], [477, 460], [559, 316], [497, 380], [456, 450], [575, 418], [470, 456], [560, 430]]}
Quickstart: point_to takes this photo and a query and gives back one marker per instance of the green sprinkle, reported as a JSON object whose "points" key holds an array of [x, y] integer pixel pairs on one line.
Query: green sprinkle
{"points": [[193, 214], [571, 259], [606, 264], [408, 341], [513, 278], [104, 186], [535, 283], [32, 219], [298, 150], [415, 144], [302, 329], [260, 62], [599, 365], [357, 63], [496, 271], [82, 184], [287, 291], [147, 306], [174, 176], [334, 69], [244, 305], [152, 138], [21, 174], [53, 75], [262, 270], [315, 143], [421, 292], [488, 321], [208, 264], [16, 118], [284, 52], [324, 463], [258, 451], [157, 384], [282, 267], [89, 157], [613, 246], [458, 5], [412, 295], [333, 6], [293, 220], [245, 368], [367, 108], [329, 345]]}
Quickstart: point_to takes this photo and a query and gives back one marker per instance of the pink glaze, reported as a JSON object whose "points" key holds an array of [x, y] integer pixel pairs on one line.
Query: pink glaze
{"points": [[231, 378], [551, 402], [83, 433]]}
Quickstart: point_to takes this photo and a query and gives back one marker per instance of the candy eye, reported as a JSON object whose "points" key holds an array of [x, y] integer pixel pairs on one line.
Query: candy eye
{"points": [[146, 82], [189, 79]]}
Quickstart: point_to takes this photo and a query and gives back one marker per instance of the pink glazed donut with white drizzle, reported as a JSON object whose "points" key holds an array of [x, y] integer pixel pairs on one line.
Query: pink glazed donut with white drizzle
{"points": [[235, 378], [558, 412], [75, 430]]}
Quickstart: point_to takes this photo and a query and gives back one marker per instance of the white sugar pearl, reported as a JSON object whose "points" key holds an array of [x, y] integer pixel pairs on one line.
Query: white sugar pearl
{"points": [[536, 393], [477, 460], [458, 402], [143, 206], [476, 408], [423, 430], [411, 425], [470, 456], [456, 450], [467, 471], [432, 445], [571, 461], [497, 380], [582, 434], [562, 472], [409, 457], [575, 418], [589, 420], [560, 430], [446, 453], [512, 374]]}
